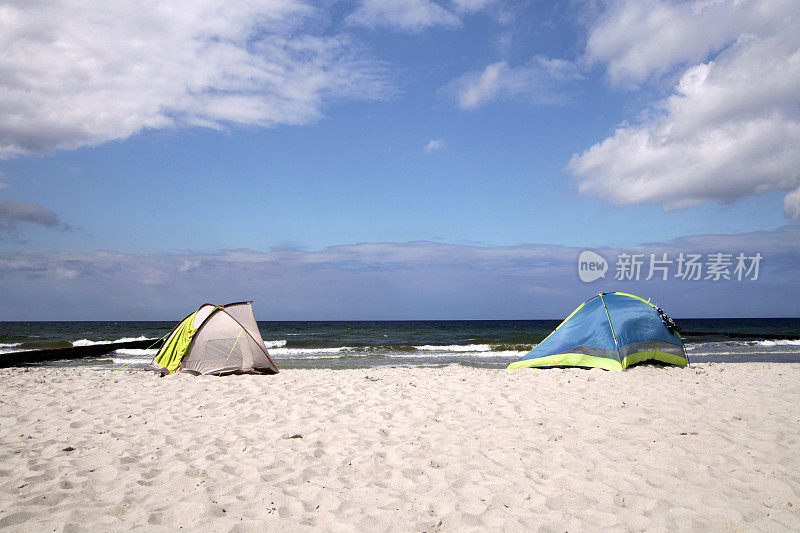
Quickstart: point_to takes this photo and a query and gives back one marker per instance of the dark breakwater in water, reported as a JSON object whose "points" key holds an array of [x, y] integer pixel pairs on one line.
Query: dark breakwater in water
{"points": [[60, 353]]}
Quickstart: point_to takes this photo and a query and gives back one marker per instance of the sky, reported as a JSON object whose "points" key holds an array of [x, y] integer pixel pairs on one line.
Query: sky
{"points": [[395, 159]]}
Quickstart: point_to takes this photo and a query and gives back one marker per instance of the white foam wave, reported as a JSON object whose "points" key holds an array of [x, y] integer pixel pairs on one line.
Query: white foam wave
{"points": [[728, 354], [739, 345], [87, 342], [480, 354], [455, 348], [496, 354], [275, 344], [345, 351], [9, 345], [308, 351], [131, 362], [134, 352], [14, 350], [317, 355], [779, 342]]}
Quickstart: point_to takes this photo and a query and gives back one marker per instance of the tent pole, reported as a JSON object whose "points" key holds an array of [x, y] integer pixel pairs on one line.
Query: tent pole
{"points": [[234, 345], [616, 344]]}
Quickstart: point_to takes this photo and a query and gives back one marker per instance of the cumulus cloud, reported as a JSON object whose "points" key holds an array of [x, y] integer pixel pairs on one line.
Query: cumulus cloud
{"points": [[434, 145], [541, 81], [14, 213], [731, 127], [81, 73], [637, 39], [791, 205]]}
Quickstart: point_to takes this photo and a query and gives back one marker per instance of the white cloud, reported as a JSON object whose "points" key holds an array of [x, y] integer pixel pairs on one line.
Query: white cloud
{"points": [[791, 205], [189, 266], [470, 6], [373, 281], [414, 15], [541, 82], [730, 129], [434, 145], [637, 39], [407, 15], [13, 213], [76, 73]]}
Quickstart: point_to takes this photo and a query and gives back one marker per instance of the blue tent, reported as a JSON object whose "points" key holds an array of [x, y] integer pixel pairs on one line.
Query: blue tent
{"points": [[612, 330]]}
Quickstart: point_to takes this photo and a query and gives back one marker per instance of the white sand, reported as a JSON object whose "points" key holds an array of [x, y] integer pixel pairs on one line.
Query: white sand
{"points": [[709, 447]]}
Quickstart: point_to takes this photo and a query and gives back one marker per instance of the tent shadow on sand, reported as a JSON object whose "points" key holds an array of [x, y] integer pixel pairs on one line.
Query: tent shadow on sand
{"points": [[613, 331]]}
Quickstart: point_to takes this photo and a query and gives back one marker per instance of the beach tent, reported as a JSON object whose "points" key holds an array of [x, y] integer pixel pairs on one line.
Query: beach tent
{"points": [[612, 330], [216, 339]]}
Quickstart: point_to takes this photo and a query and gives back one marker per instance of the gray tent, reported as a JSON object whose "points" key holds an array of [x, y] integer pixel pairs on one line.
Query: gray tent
{"points": [[216, 339]]}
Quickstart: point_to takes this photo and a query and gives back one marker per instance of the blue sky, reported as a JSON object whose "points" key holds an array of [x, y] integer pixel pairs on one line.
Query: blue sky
{"points": [[209, 135]]}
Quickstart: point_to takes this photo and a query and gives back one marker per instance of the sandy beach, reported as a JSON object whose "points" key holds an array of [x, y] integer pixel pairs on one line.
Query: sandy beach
{"points": [[710, 447]]}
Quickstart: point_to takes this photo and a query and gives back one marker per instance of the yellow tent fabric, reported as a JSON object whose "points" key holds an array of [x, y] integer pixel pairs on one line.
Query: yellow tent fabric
{"points": [[175, 347]]}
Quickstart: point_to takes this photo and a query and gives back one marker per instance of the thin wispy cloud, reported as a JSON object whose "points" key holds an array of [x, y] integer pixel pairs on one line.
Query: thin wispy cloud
{"points": [[405, 15], [470, 6], [381, 280], [414, 16], [158, 65], [434, 145], [540, 82], [731, 127]]}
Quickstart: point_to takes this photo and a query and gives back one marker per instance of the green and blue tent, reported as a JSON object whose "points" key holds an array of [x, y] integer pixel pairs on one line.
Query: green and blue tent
{"points": [[612, 330]]}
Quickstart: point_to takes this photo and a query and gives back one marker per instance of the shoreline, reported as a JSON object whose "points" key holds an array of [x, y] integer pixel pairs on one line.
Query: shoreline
{"points": [[713, 446]]}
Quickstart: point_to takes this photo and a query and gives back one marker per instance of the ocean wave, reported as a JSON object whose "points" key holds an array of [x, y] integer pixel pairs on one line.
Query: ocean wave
{"points": [[497, 353], [308, 351], [727, 354], [87, 342], [9, 344], [14, 350], [478, 354], [275, 344], [326, 355], [403, 356], [380, 352], [134, 352], [524, 348], [739, 345], [131, 362], [455, 348], [779, 342]]}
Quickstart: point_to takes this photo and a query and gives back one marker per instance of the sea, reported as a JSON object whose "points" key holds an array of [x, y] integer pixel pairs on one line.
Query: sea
{"points": [[367, 344]]}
